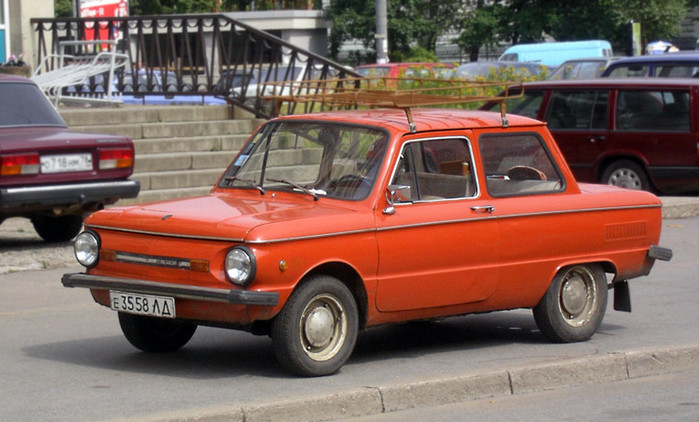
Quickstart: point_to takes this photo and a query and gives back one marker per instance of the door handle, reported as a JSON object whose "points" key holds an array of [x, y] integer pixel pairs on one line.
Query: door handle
{"points": [[595, 138], [483, 208]]}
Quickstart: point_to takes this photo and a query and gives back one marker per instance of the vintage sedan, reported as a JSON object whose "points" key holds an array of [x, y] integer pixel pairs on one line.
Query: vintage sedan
{"points": [[50, 174], [328, 223]]}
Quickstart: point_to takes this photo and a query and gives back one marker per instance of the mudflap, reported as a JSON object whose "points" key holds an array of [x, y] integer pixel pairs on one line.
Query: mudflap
{"points": [[622, 296]]}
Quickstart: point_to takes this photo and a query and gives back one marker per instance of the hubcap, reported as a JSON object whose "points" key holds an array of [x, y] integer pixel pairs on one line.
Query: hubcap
{"points": [[625, 178], [323, 327], [578, 297], [319, 327]]}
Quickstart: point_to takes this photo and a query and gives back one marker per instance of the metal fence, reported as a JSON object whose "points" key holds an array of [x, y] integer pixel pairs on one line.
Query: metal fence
{"points": [[202, 54]]}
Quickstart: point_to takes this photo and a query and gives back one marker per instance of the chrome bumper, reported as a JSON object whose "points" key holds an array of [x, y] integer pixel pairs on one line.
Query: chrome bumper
{"points": [[233, 296], [73, 193]]}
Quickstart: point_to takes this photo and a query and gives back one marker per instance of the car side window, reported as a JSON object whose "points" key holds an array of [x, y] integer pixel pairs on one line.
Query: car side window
{"points": [[435, 169], [630, 70], [653, 110], [577, 110], [518, 164]]}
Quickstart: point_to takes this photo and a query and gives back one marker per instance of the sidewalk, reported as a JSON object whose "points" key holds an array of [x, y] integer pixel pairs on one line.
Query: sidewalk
{"points": [[379, 399]]}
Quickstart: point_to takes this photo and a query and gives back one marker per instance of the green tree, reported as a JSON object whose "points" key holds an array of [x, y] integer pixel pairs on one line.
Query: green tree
{"points": [[660, 19], [63, 8], [480, 27]]}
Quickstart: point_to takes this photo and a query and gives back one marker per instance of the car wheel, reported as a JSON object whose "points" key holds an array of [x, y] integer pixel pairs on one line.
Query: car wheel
{"points": [[57, 229], [626, 174], [573, 307], [155, 335], [315, 332]]}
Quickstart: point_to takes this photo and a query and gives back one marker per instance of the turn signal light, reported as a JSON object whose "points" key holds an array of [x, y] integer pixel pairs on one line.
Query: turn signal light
{"points": [[12, 165], [115, 159]]}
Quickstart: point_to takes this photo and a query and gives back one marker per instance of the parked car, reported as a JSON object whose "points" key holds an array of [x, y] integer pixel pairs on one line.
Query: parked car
{"points": [[668, 65], [51, 175], [406, 70], [587, 68], [328, 223], [552, 54], [638, 133], [486, 69]]}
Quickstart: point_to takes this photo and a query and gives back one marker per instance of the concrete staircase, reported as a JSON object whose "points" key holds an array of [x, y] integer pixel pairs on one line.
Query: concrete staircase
{"points": [[180, 150]]}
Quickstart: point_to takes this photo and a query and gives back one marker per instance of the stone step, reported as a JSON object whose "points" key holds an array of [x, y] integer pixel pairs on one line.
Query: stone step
{"points": [[183, 161], [143, 114], [173, 129], [160, 180], [195, 143]]}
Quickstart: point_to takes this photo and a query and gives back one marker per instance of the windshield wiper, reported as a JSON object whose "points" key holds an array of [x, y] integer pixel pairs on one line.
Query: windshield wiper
{"points": [[248, 182], [295, 186]]}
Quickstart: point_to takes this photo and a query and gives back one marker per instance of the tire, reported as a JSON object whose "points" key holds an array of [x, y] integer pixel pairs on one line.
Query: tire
{"points": [[573, 306], [316, 331], [155, 335], [626, 174], [58, 229]]}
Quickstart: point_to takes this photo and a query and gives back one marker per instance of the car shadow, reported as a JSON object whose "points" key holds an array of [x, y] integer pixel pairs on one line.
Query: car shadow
{"points": [[214, 353]]}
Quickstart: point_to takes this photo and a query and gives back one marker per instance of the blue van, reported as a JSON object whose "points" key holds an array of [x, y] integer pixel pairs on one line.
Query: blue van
{"points": [[552, 54]]}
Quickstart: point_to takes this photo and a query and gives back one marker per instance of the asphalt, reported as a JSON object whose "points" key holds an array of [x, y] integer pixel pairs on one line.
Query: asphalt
{"points": [[384, 398]]}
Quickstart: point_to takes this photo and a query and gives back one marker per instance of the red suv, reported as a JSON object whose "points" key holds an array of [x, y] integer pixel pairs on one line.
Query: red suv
{"points": [[636, 133]]}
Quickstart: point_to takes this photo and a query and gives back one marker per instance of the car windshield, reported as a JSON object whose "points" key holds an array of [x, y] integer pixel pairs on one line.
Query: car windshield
{"points": [[23, 104], [320, 159]]}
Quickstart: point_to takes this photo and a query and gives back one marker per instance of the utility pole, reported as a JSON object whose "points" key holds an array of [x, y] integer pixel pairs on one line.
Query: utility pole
{"points": [[381, 32]]}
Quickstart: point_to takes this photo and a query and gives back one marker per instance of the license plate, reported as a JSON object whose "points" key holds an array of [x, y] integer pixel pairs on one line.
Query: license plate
{"points": [[160, 306], [64, 163]]}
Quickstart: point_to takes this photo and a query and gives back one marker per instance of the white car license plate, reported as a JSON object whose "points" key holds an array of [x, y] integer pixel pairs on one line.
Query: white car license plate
{"points": [[64, 163], [160, 306]]}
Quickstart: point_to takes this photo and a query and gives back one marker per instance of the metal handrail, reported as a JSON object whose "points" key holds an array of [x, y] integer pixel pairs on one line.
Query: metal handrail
{"points": [[196, 54]]}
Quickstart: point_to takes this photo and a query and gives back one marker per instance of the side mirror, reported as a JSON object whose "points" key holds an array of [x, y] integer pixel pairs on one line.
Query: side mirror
{"points": [[396, 194]]}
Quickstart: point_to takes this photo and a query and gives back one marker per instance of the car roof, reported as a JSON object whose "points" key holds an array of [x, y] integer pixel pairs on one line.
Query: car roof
{"points": [[424, 118], [615, 83], [14, 78], [659, 58]]}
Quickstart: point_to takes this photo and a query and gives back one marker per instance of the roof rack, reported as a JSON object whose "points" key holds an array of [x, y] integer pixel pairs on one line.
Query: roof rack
{"points": [[390, 92]]}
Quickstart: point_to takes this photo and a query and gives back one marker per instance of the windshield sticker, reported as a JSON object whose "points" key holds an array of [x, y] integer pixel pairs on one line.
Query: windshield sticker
{"points": [[241, 160]]}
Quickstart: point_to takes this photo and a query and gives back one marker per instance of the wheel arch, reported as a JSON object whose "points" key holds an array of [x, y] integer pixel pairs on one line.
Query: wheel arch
{"points": [[608, 266], [348, 276]]}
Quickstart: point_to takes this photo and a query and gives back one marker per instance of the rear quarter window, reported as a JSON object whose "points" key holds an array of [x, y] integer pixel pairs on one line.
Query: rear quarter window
{"points": [[666, 111], [518, 164]]}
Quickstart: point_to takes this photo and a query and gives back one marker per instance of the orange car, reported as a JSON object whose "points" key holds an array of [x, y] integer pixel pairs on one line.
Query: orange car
{"points": [[328, 223]]}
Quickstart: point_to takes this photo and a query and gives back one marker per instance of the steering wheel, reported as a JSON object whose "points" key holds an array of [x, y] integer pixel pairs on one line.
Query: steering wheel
{"points": [[525, 173]]}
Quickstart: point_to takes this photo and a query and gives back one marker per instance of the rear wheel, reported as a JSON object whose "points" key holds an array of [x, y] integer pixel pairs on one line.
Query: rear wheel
{"points": [[626, 174], [315, 332], [152, 334], [57, 229], [573, 307]]}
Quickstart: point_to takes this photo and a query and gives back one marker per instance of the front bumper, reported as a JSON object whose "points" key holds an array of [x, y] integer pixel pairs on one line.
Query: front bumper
{"points": [[67, 194], [233, 296]]}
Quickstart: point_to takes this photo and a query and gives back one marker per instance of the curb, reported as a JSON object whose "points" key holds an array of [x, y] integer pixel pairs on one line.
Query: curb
{"points": [[380, 399], [680, 206]]}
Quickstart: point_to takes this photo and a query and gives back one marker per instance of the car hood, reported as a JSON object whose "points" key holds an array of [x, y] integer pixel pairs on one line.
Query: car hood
{"points": [[247, 217]]}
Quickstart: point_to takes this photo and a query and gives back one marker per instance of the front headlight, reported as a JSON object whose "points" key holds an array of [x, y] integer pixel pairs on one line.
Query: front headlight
{"points": [[240, 265], [87, 248]]}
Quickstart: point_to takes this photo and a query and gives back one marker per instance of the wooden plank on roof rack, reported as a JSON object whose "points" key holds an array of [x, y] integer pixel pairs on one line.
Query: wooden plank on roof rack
{"points": [[386, 92]]}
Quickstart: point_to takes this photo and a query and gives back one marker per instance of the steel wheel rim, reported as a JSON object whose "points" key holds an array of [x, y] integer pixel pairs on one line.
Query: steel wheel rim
{"points": [[625, 178], [577, 297], [323, 327]]}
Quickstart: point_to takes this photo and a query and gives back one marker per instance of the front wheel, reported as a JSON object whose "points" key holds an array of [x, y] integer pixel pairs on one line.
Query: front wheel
{"points": [[573, 307], [315, 332], [155, 335]]}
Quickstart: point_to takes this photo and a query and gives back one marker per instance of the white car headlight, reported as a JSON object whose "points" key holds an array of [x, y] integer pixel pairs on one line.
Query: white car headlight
{"points": [[87, 248], [240, 265]]}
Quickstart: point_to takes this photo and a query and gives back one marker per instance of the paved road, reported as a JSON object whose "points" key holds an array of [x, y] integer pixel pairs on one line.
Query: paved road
{"points": [[63, 358]]}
